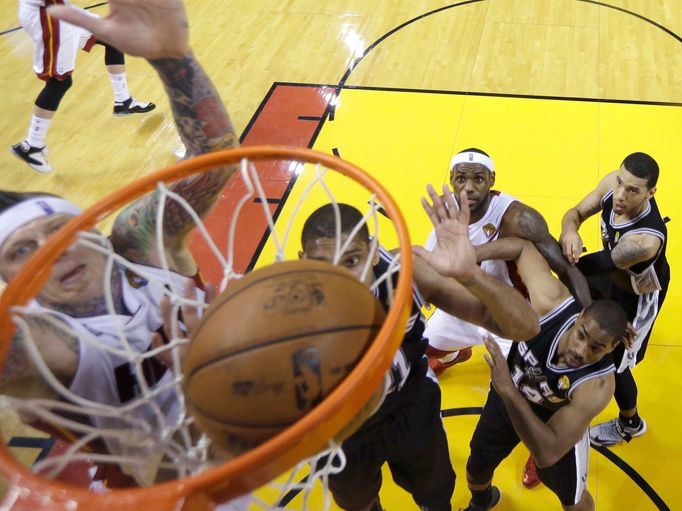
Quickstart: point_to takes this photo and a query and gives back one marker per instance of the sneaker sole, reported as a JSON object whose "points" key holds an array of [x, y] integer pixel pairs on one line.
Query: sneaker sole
{"points": [[132, 112], [43, 169]]}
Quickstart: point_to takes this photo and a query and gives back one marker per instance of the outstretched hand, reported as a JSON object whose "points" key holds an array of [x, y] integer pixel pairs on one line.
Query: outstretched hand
{"points": [[453, 256], [144, 28]]}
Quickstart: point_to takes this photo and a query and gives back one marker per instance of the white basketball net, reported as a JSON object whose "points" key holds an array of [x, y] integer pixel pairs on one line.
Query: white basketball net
{"points": [[150, 436]]}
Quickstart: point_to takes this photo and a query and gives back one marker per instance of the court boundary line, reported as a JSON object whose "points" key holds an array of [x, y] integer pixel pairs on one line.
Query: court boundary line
{"points": [[479, 93], [353, 65]]}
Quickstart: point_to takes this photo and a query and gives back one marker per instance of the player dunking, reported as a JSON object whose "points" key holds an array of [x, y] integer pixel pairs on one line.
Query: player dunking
{"points": [[631, 269], [75, 294], [55, 45], [549, 388], [407, 431]]}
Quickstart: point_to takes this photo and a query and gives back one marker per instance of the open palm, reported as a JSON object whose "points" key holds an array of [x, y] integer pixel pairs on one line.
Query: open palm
{"points": [[453, 256], [145, 28]]}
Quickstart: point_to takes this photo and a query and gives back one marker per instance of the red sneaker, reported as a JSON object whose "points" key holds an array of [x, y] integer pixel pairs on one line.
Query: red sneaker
{"points": [[439, 366], [530, 479]]}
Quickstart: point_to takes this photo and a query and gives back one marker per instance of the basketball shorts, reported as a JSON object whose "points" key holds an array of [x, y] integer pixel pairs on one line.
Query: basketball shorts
{"points": [[411, 439], [449, 333], [55, 43], [642, 311], [494, 439]]}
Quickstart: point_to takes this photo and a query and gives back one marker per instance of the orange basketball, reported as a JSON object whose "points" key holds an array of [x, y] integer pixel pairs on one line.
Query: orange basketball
{"points": [[272, 346]]}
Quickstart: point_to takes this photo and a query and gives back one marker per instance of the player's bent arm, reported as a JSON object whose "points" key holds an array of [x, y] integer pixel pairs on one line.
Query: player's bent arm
{"points": [[482, 300], [58, 350], [544, 290], [570, 241], [204, 126], [525, 222], [635, 248], [549, 442], [505, 249]]}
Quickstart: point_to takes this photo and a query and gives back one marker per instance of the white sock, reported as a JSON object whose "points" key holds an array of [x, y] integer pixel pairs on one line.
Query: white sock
{"points": [[37, 131], [119, 85]]}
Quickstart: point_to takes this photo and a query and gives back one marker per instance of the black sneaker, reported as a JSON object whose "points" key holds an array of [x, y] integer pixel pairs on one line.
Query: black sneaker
{"points": [[35, 157], [130, 106], [495, 496]]}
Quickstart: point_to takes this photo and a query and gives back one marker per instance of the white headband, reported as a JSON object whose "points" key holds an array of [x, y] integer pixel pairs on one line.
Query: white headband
{"points": [[31, 209], [472, 157]]}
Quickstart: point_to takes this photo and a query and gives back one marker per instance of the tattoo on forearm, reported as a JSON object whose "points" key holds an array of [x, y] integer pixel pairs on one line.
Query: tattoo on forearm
{"points": [[204, 126], [201, 118], [629, 252]]}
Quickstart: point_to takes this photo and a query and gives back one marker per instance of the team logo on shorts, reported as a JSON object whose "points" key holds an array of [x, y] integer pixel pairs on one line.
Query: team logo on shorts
{"points": [[488, 230], [564, 383]]}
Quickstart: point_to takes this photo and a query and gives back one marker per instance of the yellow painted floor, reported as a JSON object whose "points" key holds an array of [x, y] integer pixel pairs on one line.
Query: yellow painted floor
{"points": [[556, 91]]}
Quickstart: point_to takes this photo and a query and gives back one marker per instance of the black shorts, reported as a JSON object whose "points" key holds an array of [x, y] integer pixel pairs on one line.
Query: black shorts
{"points": [[411, 439], [495, 438]]}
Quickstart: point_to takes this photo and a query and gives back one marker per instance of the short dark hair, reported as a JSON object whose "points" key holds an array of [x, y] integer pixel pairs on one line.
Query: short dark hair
{"points": [[9, 198], [474, 150], [642, 166], [322, 223], [610, 317]]}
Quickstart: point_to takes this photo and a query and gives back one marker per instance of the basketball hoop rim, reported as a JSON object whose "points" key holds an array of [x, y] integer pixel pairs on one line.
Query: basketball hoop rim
{"points": [[260, 465]]}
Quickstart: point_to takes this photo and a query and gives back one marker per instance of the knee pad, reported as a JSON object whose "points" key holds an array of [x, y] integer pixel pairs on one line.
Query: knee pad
{"points": [[53, 92], [112, 56]]}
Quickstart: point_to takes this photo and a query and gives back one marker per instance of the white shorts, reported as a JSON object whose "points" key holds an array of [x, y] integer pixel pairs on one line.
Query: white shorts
{"points": [[55, 42], [449, 333]]}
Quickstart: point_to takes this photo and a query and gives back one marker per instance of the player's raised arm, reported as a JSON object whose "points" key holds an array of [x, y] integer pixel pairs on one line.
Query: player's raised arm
{"points": [[158, 30], [470, 293]]}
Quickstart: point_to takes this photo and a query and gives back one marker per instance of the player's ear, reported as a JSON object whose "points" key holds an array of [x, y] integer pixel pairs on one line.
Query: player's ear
{"points": [[651, 192], [376, 258], [301, 254], [492, 178]]}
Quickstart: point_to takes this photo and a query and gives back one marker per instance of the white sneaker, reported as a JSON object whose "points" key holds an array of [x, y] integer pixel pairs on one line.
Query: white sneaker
{"points": [[35, 157], [130, 106], [614, 432]]}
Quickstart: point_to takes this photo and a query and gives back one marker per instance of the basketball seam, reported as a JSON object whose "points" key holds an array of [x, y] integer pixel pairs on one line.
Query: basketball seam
{"points": [[278, 340]]}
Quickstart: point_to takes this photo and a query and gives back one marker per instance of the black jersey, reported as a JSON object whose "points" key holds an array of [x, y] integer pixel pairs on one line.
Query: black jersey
{"points": [[409, 362], [546, 385], [646, 276]]}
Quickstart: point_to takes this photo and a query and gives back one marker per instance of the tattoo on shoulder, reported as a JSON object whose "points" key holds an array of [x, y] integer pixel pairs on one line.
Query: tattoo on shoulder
{"points": [[525, 222]]}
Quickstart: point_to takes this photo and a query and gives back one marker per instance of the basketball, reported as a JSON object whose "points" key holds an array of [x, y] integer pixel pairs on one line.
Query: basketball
{"points": [[272, 346]]}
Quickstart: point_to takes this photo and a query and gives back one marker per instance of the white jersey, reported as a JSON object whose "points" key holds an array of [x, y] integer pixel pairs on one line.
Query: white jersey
{"points": [[449, 333], [106, 374], [55, 43], [37, 3]]}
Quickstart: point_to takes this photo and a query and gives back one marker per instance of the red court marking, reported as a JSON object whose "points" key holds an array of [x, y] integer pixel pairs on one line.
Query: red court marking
{"points": [[277, 123]]}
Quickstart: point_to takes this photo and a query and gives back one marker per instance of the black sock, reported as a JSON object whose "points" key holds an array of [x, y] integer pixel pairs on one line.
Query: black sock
{"points": [[630, 422], [481, 498]]}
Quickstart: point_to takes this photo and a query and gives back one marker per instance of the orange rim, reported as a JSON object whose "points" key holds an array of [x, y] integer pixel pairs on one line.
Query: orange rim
{"points": [[262, 464]]}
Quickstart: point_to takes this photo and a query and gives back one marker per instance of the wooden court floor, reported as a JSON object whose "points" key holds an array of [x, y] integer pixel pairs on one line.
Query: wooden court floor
{"points": [[557, 91]]}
